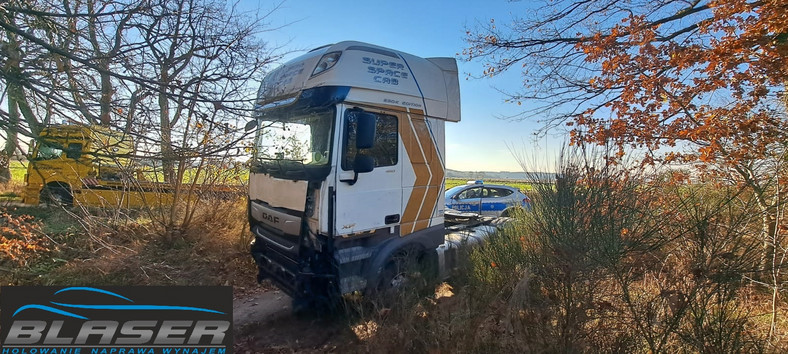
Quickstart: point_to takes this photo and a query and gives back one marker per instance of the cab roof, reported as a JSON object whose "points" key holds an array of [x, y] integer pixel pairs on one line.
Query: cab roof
{"points": [[375, 75]]}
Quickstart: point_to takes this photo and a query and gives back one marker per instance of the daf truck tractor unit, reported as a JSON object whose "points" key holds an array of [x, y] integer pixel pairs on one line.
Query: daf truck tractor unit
{"points": [[347, 178]]}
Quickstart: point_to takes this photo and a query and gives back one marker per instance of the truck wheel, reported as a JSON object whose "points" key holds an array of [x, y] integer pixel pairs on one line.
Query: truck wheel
{"points": [[393, 277], [391, 282], [403, 271], [56, 195]]}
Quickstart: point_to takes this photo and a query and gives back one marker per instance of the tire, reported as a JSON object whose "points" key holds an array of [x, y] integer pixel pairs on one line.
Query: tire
{"points": [[56, 195], [393, 278], [390, 283], [401, 274]]}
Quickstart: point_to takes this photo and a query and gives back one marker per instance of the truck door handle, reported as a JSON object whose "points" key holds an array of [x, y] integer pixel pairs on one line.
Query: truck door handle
{"points": [[390, 219]]}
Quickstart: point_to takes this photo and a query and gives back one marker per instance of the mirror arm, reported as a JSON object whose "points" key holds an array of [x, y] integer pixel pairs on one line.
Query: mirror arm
{"points": [[351, 181]]}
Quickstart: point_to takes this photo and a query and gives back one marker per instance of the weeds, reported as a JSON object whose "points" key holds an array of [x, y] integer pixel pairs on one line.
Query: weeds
{"points": [[122, 247], [610, 260]]}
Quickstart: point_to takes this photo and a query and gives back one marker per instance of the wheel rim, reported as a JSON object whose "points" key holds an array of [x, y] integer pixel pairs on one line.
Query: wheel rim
{"points": [[55, 196]]}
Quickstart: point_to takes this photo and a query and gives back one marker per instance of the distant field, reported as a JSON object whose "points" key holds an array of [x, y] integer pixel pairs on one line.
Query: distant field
{"points": [[227, 176], [522, 185], [13, 190]]}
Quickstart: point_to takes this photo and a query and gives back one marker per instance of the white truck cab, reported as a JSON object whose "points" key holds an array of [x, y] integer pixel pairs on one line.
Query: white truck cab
{"points": [[348, 169]]}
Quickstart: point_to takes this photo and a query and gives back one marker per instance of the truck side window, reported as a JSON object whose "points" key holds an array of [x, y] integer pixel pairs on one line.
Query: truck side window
{"points": [[385, 151], [74, 151], [48, 150]]}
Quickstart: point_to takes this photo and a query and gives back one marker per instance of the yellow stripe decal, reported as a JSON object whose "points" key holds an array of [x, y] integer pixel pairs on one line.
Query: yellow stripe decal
{"points": [[424, 157]]}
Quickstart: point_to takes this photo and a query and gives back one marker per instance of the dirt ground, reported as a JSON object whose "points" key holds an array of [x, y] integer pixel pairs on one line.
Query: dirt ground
{"points": [[264, 323]]}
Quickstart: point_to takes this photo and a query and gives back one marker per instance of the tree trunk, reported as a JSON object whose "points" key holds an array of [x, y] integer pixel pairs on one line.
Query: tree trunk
{"points": [[768, 210], [14, 55], [769, 229], [16, 92], [10, 140], [167, 154], [106, 92]]}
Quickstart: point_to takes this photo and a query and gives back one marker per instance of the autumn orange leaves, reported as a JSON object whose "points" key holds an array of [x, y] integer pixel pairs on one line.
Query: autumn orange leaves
{"points": [[705, 76]]}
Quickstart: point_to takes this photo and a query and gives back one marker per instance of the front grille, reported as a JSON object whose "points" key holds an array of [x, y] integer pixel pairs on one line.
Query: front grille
{"points": [[276, 222]]}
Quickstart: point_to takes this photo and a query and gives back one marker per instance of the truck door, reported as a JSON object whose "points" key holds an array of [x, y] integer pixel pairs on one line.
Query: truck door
{"points": [[368, 200]]}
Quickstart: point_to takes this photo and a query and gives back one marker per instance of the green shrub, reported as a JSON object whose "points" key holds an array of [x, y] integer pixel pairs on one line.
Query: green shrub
{"points": [[609, 260]]}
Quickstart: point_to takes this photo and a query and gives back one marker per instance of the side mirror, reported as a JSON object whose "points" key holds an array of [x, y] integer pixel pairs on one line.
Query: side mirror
{"points": [[250, 125], [365, 130], [363, 164]]}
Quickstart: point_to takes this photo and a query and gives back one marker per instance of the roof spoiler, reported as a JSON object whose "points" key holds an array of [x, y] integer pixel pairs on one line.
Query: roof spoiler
{"points": [[451, 80]]}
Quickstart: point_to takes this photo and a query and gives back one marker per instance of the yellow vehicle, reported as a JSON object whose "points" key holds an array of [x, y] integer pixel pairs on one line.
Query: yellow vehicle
{"points": [[87, 165]]}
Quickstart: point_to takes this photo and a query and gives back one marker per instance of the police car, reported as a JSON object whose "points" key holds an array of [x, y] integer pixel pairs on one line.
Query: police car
{"points": [[486, 199]]}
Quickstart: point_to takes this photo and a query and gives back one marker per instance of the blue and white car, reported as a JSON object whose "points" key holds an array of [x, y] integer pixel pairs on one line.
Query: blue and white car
{"points": [[486, 199]]}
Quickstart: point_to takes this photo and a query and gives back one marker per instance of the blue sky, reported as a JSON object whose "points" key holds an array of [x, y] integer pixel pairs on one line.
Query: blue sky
{"points": [[427, 28]]}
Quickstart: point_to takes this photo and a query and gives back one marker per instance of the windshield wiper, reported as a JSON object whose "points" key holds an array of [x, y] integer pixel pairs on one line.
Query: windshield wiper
{"points": [[292, 173], [267, 165], [293, 169], [280, 166]]}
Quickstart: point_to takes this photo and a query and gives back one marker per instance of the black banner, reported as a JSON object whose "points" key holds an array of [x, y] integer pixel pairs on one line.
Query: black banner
{"points": [[116, 320]]}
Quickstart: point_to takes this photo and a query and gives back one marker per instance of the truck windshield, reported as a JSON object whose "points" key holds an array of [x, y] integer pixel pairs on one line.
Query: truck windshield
{"points": [[295, 145], [47, 150]]}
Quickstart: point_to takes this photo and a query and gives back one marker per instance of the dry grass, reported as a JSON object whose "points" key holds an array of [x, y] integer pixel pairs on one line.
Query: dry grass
{"points": [[123, 248], [12, 191]]}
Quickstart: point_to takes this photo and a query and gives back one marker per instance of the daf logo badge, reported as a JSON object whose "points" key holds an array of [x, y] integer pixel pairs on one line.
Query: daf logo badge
{"points": [[271, 218]]}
